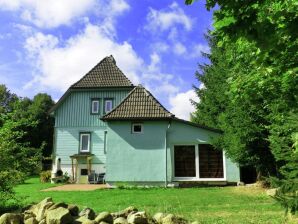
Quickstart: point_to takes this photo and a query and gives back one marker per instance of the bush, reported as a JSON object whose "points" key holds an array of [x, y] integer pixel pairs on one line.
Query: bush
{"points": [[45, 176]]}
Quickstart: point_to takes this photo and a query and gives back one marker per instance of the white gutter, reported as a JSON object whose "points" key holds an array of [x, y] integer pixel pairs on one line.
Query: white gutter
{"points": [[166, 155]]}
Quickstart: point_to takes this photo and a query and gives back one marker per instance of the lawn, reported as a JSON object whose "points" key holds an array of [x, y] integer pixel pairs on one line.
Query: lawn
{"points": [[206, 205]]}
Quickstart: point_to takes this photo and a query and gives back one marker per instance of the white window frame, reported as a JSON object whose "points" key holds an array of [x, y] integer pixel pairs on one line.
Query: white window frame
{"points": [[81, 142], [92, 106], [197, 161], [106, 101], [136, 132]]}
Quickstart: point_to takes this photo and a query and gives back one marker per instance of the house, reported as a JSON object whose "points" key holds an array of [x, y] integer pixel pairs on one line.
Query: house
{"points": [[104, 123]]}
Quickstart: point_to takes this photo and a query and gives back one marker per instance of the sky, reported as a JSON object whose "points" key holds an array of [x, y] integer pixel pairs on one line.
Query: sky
{"points": [[45, 46]]}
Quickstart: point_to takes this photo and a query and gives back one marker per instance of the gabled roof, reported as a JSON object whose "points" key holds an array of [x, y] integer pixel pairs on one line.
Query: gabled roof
{"points": [[139, 104], [104, 74]]}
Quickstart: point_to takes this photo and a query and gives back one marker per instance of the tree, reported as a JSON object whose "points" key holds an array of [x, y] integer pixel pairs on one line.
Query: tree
{"points": [[260, 87]]}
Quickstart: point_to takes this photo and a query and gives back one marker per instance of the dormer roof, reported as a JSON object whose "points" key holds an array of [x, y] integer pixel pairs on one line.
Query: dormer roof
{"points": [[139, 104]]}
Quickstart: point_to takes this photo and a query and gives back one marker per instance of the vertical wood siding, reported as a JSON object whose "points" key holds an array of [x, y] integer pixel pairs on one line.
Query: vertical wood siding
{"points": [[75, 111]]}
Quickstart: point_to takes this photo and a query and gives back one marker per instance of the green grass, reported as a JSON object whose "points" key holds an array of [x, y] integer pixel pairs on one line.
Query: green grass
{"points": [[206, 205]]}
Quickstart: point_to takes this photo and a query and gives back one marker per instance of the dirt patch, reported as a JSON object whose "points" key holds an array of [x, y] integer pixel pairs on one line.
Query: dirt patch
{"points": [[77, 187]]}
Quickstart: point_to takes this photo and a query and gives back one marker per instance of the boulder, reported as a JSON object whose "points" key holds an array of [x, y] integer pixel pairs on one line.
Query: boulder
{"points": [[124, 213], [157, 218], [120, 220], [88, 213], [84, 220], [36, 207], [41, 212], [28, 214], [137, 218], [43, 221], [73, 209], [57, 205], [271, 192], [172, 219], [59, 216], [11, 218], [104, 217], [31, 220]]}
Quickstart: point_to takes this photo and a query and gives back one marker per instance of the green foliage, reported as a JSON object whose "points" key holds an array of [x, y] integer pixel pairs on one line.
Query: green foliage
{"points": [[45, 176], [251, 87], [24, 130]]}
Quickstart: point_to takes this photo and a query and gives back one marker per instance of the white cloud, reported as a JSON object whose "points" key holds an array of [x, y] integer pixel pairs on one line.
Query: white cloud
{"points": [[181, 105], [58, 64], [165, 19], [53, 13], [179, 48]]}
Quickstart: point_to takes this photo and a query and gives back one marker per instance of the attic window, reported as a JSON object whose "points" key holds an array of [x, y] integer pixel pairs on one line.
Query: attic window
{"points": [[137, 128], [108, 105], [95, 106]]}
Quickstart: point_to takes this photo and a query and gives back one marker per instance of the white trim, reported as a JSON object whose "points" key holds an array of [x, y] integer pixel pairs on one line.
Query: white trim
{"points": [[92, 107], [197, 178], [138, 132], [81, 136]]}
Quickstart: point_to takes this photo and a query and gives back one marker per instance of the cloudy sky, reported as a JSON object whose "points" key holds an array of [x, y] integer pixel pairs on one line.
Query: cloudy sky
{"points": [[45, 46]]}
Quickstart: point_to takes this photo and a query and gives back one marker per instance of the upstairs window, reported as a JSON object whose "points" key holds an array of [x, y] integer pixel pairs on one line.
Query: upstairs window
{"points": [[108, 105], [95, 106], [137, 128], [84, 142]]}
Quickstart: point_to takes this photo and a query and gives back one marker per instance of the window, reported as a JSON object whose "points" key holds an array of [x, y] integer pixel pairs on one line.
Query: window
{"points": [[211, 162], [137, 128], [84, 172], [108, 105], [95, 106], [85, 142], [185, 161]]}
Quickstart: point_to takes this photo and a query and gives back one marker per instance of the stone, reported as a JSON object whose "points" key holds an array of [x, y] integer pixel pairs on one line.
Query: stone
{"points": [[104, 217], [41, 213], [120, 220], [57, 205], [36, 207], [88, 213], [124, 213], [28, 214], [59, 216], [84, 220], [31, 220], [102, 222], [137, 218], [73, 209], [43, 221], [172, 219], [157, 218], [11, 218], [271, 192]]}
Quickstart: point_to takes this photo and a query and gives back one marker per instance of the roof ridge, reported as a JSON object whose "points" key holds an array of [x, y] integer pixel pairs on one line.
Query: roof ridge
{"points": [[105, 73], [90, 70]]}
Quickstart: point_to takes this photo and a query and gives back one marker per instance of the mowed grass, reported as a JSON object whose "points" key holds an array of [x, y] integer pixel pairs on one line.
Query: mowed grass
{"points": [[205, 205]]}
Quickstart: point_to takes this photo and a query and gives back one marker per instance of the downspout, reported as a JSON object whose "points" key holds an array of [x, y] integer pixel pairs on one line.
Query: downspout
{"points": [[166, 155]]}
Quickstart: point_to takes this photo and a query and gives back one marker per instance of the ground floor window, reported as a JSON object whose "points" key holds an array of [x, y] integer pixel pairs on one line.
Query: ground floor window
{"points": [[198, 162], [185, 164], [211, 162]]}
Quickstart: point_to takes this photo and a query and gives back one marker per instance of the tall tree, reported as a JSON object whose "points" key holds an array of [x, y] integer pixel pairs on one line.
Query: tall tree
{"points": [[260, 93]]}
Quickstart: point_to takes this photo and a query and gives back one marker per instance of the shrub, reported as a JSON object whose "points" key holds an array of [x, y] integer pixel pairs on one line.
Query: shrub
{"points": [[45, 176]]}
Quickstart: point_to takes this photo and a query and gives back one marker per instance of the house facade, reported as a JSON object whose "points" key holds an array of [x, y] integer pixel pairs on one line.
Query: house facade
{"points": [[105, 124]]}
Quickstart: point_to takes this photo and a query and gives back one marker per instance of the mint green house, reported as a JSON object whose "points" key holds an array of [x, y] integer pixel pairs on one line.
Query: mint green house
{"points": [[105, 124]]}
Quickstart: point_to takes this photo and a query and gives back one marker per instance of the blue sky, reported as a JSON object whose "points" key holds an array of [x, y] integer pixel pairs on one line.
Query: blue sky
{"points": [[45, 46]]}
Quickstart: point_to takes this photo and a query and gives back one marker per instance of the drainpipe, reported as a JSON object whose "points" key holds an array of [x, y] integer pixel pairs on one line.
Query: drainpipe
{"points": [[166, 155]]}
